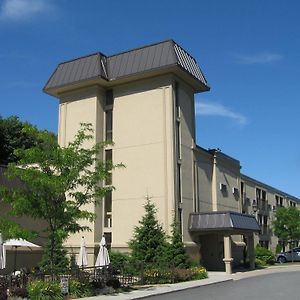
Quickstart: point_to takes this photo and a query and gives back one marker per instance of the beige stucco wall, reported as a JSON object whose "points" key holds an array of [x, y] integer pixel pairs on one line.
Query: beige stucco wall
{"points": [[204, 179], [185, 96], [143, 141], [83, 106], [228, 173]]}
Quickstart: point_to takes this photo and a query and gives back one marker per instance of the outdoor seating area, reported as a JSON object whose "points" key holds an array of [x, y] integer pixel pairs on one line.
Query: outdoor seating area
{"points": [[21, 278]]}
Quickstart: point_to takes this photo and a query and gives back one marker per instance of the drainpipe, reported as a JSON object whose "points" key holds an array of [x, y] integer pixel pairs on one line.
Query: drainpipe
{"points": [[214, 190]]}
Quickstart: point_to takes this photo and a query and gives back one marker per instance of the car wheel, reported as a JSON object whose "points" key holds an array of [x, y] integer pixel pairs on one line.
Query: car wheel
{"points": [[281, 259]]}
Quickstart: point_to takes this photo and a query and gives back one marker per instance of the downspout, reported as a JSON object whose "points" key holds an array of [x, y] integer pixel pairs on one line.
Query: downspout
{"points": [[214, 190]]}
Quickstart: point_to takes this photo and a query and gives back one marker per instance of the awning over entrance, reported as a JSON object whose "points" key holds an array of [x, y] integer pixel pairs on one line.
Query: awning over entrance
{"points": [[228, 221]]}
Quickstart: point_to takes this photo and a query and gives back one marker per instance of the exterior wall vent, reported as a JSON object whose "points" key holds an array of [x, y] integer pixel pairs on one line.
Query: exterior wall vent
{"points": [[235, 191], [223, 187]]}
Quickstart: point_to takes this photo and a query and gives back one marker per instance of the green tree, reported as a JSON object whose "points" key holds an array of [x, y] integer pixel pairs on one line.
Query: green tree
{"points": [[12, 137], [148, 244], [177, 251], [58, 184], [286, 224]]}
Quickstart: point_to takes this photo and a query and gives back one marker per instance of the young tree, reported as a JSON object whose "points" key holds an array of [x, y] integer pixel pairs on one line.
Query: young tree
{"points": [[148, 244], [177, 252], [58, 183], [286, 224]]}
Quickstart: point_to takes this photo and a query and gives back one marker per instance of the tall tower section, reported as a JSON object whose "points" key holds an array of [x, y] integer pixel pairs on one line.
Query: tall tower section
{"points": [[142, 100]]}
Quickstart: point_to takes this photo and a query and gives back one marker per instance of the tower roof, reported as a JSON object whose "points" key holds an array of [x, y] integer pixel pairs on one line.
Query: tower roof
{"points": [[163, 57]]}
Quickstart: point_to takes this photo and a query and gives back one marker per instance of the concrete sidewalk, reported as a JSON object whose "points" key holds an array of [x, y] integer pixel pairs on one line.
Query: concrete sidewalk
{"points": [[214, 277]]}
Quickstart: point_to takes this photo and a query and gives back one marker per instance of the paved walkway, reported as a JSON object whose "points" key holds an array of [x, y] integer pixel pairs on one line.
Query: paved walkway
{"points": [[214, 277]]}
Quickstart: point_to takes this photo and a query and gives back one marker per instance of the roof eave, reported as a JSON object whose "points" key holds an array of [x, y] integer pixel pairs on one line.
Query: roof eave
{"points": [[196, 84], [58, 90]]}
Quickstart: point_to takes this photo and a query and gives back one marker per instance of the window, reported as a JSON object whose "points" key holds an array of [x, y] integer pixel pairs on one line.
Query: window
{"points": [[109, 101], [279, 201], [243, 194], [108, 210], [264, 244], [258, 194], [108, 239], [261, 197], [260, 219], [108, 125], [108, 163]]}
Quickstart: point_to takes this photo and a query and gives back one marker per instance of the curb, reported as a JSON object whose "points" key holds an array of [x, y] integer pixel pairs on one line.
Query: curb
{"points": [[178, 289], [161, 290]]}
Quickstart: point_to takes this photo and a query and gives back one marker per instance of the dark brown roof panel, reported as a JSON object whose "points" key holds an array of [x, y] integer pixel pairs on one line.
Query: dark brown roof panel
{"points": [[130, 63], [222, 221], [76, 70]]}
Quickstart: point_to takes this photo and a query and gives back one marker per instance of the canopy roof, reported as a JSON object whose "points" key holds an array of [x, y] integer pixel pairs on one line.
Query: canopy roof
{"points": [[228, 221]]}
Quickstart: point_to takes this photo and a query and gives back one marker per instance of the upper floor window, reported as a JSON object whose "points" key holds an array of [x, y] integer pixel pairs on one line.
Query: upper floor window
{"points": [[108, 210], [108, 163], [261, 198], [279, 201], [109, 101]]}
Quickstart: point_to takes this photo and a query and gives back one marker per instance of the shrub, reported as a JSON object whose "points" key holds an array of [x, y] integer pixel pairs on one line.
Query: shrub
{"points": [[199, 273], [122, 262], [278, 248], [149, 243], [176, 250], [264, 255], [259, 263], [19, 292], [42, 290], [79, 289], [182, 275], [156, 275], [114, 283]]}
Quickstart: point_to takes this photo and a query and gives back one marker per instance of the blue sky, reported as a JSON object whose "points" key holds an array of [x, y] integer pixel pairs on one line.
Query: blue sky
{"points": [[249, 52]]}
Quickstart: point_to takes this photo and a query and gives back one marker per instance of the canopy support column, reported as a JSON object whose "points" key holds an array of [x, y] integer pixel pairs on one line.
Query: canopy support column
{"points": [[251, 252], [227, 254]]}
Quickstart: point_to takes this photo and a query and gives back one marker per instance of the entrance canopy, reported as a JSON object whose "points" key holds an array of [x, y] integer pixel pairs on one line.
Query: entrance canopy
{"points": [[221, 222]]}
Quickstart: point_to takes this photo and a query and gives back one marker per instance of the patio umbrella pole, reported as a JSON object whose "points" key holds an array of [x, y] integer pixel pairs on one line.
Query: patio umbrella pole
{"points": [[15, 260]]}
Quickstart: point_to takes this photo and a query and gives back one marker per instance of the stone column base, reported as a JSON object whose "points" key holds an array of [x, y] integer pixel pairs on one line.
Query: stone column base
{"points": [[228, 267]]}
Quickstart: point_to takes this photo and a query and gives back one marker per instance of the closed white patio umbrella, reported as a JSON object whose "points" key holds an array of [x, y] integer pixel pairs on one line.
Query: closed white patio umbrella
{"points": [[2, 254], [19, 245], [82, 260], [103, 256]]}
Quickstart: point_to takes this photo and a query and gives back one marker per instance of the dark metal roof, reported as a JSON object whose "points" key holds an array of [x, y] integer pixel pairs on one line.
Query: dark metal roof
{"points": [[222, 221], [141, 60], [79, 69], [129, 63]]}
